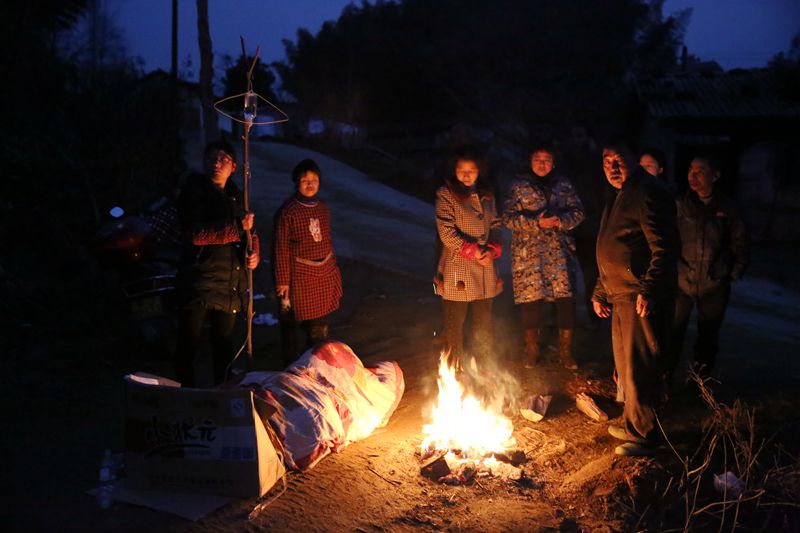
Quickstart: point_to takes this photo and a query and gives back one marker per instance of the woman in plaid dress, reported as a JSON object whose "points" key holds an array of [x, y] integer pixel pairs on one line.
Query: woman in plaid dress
{"points": [[307, 279], [469, 235], [541, 208]]}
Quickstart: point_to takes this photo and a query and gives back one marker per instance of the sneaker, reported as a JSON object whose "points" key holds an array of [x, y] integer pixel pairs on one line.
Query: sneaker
{"points": [[637, 449], [619, 432]]}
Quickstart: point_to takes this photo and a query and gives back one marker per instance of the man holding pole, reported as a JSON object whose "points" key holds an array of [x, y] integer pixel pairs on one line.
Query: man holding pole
{"points": [[212, 281]]}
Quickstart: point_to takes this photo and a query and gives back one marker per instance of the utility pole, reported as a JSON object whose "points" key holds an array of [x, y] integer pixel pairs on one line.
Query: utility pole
{"points": [[173, 86]]}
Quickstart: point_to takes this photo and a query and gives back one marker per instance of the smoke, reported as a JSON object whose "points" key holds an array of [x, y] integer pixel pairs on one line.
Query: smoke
{"points": [[496, 387]]}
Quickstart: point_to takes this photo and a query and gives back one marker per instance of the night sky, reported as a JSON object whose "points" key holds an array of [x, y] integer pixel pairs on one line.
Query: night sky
{"points": [[735, 33]]}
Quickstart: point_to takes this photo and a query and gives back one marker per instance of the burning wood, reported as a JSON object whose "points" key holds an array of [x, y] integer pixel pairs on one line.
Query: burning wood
{"points": [[435, 467], [453, 468]]}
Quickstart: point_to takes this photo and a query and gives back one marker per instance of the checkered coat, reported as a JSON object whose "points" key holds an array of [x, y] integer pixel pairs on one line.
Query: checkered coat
{"points": [[543, 261], [304, 258], [461, 225]]}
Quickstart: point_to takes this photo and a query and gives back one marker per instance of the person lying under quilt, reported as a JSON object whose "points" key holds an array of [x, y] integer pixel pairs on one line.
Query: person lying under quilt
{"points": [[325, 400]]}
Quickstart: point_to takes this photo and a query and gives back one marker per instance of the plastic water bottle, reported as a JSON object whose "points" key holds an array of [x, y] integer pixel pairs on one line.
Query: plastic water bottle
{"points": [[106, 478]]}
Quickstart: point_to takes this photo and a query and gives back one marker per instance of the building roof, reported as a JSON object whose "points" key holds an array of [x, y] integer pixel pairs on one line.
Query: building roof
{"points": [[708, 94]]}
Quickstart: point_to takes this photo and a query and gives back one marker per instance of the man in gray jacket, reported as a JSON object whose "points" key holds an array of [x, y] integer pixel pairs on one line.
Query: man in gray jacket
{"points": [[714, 253], [637, 253]]}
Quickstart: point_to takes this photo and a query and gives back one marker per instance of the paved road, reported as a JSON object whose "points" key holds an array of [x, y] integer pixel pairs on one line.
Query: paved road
{"points": [[370, 221]]}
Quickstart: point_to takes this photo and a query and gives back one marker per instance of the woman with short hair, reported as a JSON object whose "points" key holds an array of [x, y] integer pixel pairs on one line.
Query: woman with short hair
{"points": [[541, 208]]}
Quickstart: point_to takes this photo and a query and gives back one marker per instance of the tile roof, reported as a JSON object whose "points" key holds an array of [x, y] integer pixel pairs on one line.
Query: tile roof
{"points": [[733, 94]]}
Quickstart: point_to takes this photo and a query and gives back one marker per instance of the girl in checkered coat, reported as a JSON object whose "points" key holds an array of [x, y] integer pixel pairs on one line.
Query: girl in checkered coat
{"points": [[469, 235], [307, 280]]}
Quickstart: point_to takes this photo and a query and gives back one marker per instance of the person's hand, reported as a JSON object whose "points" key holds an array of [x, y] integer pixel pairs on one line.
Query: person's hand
{"points": [[252, 261], [282, 291], [643, 306], [549, 222], [601, 309], [247, 221], [485, 259]]}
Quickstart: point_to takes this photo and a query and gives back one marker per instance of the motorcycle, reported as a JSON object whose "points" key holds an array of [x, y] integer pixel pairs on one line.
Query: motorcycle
{"points": [[144, 249]]}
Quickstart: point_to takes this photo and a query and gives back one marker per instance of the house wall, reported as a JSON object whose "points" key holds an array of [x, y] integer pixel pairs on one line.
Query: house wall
{"points": [[769, 190]]}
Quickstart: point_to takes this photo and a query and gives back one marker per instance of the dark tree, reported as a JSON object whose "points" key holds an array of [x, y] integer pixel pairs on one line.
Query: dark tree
{"points": [[785, 70], [533, 63], [79, 135], [235, 80], [210, 128]]}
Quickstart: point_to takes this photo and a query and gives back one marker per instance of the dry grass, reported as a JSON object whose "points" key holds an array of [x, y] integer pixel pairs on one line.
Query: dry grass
{"points": [[769, 495]]}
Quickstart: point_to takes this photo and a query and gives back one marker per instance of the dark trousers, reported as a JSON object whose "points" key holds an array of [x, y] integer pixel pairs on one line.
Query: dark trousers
{"points": [[711, 308], [639, 352], [565, 313], [190, 328], [587, 259], [455, 314], [316, 330]]}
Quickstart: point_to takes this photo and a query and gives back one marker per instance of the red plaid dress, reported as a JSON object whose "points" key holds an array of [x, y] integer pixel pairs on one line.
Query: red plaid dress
{"points": [[305, 260]]}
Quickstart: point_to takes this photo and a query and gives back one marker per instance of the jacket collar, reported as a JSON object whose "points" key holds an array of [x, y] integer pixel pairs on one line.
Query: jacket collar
{"points": [[691, 196]]}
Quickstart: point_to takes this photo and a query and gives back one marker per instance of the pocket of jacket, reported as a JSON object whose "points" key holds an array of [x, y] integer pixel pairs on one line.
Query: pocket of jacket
{"points": [[721, 268], [307, 270]]}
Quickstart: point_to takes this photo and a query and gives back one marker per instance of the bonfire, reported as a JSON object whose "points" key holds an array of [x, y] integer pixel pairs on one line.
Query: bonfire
{"points": [[465, 437]]}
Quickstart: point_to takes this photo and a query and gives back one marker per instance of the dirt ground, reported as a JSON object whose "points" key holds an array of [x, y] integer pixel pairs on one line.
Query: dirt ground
{"points": [[63, 400]]}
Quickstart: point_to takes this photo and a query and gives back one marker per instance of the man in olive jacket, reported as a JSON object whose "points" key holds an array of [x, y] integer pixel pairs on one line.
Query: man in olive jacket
{"points": [[211, 278], [637, 254], [714, 253]]}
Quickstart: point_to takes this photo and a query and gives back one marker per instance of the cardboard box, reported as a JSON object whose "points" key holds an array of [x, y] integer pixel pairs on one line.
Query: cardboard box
{"points": [[197, 440]]}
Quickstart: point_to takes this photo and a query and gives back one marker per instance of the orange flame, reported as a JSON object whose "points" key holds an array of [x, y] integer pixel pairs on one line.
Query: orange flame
{"points": [[459, 421]]}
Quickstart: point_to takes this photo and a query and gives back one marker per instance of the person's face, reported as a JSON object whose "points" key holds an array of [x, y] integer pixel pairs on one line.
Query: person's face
{"points": [[219, 165], [541, 163], [467, 172], [701, 177], [615, 167], [308, 185], [650, 164]]}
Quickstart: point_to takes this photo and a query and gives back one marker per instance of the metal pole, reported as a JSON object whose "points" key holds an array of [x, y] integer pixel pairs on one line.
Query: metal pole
{"points": [[247, 127], [250, 114]]}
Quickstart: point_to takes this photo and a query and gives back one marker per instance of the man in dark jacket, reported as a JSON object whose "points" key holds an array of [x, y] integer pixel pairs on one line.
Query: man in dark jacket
{"points": [[714, 253], [212, 279], [637, 252]]}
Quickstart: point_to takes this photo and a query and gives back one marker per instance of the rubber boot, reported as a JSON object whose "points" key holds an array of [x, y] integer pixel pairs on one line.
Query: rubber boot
{"points": [[565, 348], [531, 347]]}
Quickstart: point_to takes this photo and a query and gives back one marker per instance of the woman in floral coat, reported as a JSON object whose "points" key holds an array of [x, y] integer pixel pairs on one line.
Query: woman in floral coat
{"points": [[469, 237], [540, 210]]}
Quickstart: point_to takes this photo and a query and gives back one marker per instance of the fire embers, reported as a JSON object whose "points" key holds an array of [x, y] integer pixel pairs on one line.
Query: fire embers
{"points": [[456, 468]]}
